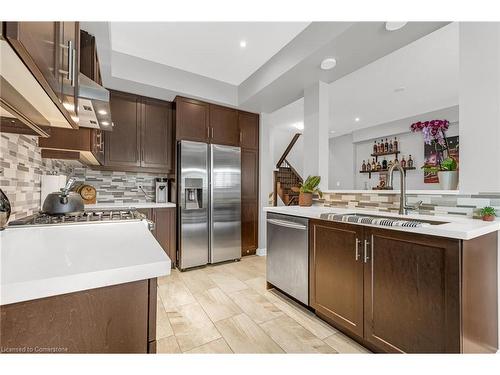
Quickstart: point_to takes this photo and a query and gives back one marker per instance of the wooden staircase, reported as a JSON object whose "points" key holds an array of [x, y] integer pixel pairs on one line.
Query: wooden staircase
{"points": [[286, 179]]}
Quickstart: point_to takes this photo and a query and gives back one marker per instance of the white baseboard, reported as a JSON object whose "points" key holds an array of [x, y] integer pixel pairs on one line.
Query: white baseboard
{"points": [[261, 252]]}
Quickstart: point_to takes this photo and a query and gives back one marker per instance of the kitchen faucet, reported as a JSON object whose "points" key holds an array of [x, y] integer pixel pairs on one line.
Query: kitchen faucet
{"points": [[403, 206]]}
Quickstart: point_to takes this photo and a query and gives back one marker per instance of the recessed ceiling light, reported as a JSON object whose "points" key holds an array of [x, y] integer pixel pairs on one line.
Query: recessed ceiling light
{"points": [[328, 63], [332, 131], [356, 119], [399, 89], [102, 112], [298, 125], [243, 43], [105, 123], [393, 26]]}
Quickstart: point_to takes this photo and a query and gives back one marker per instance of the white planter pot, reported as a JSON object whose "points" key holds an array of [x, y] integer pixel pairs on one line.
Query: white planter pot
{"points": [[448, 180]]}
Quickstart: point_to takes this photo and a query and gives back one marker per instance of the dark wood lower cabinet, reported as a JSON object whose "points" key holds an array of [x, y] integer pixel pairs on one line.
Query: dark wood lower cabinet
{"points": [[412, 293], [400, 292], [165, 229], [337, 285], [114, 319]]}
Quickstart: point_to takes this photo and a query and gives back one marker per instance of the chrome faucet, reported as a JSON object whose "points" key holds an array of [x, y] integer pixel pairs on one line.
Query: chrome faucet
{"points": [[403, 205]]}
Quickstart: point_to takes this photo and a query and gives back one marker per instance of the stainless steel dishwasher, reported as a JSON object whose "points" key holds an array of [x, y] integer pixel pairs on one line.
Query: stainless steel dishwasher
{"points": [[288, 255]]}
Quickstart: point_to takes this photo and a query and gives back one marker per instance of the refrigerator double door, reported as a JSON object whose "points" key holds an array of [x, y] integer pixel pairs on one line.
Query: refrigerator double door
{"points": [[210, 203]]}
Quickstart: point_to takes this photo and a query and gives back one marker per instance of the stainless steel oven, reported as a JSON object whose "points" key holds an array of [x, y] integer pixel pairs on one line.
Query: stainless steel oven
{"points": [[288, 255]]}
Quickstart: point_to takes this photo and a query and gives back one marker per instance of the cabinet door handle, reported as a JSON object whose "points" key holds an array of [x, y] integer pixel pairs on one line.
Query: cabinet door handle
{"points": [[358, 242], [75, 72], [366, 256], [240, 137], [70, 62], [208, 132], [212, 133]]}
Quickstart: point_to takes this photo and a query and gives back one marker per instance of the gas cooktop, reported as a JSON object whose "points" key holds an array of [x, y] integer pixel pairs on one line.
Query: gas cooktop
{"points": [[90, 216]]}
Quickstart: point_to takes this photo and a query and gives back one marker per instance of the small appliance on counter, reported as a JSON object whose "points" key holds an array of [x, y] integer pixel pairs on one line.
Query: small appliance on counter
{"points": [[161, 190]]}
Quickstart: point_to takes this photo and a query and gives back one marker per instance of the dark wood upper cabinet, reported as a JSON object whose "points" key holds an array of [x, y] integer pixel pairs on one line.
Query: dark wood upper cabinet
{"points": [[249, 128], [69, 65], [224, 128], [123, 143], [85, 145], [47, 49], [336, 285], [192, 120], [142, 138], [156, 135], [249, 175], [89, 61], [412, 293]]}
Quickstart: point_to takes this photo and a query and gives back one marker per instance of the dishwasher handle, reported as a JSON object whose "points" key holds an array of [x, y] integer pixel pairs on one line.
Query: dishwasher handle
{"points": [[287, 224]]}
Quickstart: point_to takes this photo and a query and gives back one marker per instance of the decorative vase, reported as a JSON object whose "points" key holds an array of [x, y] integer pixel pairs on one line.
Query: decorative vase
{"points": [[489, 218], [448, 180], [305, 199]]}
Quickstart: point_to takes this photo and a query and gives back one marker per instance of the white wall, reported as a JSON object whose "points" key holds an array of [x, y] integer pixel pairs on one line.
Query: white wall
{"points": [[342, 163], [353, 148]]}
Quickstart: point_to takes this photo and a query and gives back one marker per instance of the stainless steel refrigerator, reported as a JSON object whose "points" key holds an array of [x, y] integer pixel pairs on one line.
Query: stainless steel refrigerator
{"points": [[209, 203]]}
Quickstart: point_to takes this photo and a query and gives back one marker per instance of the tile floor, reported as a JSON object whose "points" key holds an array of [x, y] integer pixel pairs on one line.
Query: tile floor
{"points": [[226, 309]]}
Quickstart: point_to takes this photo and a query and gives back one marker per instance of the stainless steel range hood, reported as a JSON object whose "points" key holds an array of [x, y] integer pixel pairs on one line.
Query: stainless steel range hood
{"points": [[94, 110]]}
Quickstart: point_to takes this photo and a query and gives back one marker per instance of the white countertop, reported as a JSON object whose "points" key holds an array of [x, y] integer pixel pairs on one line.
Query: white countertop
{"points": [[371, 191], [44, 261], [455, 227], [102, 206]]}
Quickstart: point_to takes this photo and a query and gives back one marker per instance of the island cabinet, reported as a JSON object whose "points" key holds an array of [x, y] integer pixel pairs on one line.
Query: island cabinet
{"points": [[400, 292], [114, 319]]}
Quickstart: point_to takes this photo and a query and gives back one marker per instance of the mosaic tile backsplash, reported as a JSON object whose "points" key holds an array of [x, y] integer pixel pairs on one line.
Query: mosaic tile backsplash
{"points": [[440, 205], [21, 168]]}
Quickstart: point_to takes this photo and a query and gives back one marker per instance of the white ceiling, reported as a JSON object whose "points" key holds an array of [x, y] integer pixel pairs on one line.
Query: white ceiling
{"points": [[210, 49], [426, 68]]}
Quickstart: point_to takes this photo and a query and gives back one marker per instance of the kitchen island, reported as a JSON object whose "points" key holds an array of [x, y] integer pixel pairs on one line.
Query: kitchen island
{"points": [[425, 289], [82, 288]]}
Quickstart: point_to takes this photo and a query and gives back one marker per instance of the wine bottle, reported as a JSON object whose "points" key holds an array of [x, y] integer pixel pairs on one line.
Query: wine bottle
{"points": [[410, 162], [368, 166], [403, 163], [395, 145], [363, 166], [390, 145], [386, 146], [375, 147]]}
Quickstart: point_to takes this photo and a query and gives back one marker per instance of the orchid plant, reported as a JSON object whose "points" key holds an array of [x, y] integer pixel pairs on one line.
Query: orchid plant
{"points": [[434, 130]]}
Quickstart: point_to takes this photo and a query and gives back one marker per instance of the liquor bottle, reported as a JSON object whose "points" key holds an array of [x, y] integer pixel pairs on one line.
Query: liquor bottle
{"points": [[390, 164], [390, 145], [374, 165], [381, 148], [375, 147], [403, 163], [395, 145], [386, 146], [368, 166], [379, 167], [384, 164], [363, 166], [410, 162]]}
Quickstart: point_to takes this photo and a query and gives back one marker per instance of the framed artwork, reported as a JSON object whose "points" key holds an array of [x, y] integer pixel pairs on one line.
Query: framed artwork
{"points": [[433, 155]]}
